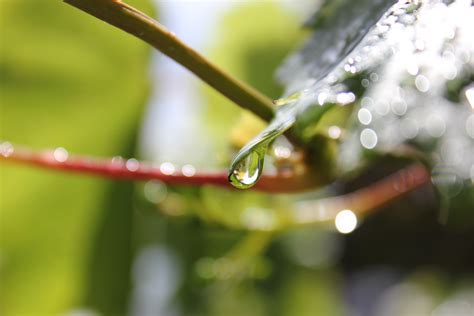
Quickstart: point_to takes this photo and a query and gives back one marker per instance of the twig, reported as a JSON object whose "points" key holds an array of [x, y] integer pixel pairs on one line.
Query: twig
{"points": [[362, 201], [132, 169], [131, 20]]}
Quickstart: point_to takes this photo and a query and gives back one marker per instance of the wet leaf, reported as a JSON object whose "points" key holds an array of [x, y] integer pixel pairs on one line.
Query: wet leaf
{"points": [[397, 67]]}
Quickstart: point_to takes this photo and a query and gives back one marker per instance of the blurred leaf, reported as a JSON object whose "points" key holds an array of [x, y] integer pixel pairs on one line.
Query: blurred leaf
{"points": [[66, 80]]}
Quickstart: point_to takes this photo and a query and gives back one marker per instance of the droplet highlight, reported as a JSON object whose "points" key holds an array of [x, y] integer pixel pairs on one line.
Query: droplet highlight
{"points": [[346, 221], [246, 171]]}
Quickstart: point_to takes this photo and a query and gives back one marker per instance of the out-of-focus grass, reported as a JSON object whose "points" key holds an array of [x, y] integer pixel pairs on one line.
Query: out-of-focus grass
{"points": [[66, 80]]}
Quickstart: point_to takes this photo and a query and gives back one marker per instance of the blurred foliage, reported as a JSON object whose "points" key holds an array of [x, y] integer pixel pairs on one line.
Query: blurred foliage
{"points": [[66, 80], [70, 242]]}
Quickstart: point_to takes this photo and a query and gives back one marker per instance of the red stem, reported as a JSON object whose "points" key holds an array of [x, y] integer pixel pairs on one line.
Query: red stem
{"points": [[376, 194], [132, 169]]}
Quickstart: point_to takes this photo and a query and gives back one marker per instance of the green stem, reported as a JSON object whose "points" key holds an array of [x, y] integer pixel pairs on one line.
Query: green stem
{"points": [[140, 25]]}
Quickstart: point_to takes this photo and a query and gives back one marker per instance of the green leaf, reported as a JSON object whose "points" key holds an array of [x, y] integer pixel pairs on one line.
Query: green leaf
{"points": [[396, 69]]}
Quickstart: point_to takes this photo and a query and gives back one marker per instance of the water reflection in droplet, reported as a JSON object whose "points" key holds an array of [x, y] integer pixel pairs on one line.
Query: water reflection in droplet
{"points": [[282, 152], [290, 99], [322, 98], [364, 116], [132, 164], [188, 170], [60, 154], [399, 107], [6, 149], [167, 168], [247, 171], [334, 132], [368, 138], [345, 98], [422, 83], [346, 221], [117, 161], [374, 77]]}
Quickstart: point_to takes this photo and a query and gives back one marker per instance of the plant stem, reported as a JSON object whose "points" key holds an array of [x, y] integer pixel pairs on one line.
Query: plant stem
{"points": [[131, 20], [132, 169], [363, 200]]}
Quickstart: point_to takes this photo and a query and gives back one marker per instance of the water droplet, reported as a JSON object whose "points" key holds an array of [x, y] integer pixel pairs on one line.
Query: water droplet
{"points": [[60, 154], [368, 138], [188, 170], [322, 97], [290, 99], [422, 83], [344, 98], [374, 77], [246, 171], [365, 83], [282, 152], [117, 162], [132, 165], [399, 107], [334, 132], [346, 221], [364, 116], [167, 168], [6, 149], [247, 166]]}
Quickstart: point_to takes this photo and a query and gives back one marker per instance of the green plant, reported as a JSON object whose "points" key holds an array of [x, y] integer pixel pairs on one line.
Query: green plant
{"points": [[339, 106]]}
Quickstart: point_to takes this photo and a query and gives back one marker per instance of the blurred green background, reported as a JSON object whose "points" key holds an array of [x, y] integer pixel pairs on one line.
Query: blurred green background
{"points": [[66, 80], [80, 245]]}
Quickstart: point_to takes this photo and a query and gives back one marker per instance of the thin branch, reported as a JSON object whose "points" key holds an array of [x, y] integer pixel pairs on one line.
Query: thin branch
{"points": [[133, 21], [362, 201], [132, 169]]}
